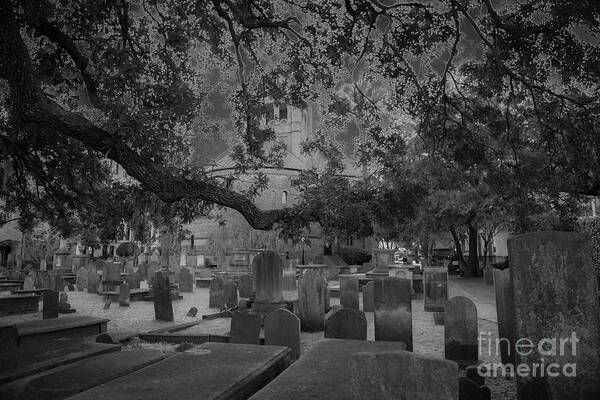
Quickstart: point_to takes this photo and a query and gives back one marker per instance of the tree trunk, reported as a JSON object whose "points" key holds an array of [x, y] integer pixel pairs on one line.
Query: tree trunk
{"points": [[473, 262], [459, 252]]}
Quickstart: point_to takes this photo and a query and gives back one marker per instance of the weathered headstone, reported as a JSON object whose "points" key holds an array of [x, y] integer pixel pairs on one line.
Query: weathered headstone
{"points": [[245, 286], [289, 275], [63, 303], [349, 291], [142, 271], [192, 312], [368, 297], [245, 328], [311, 300], [134, 279], [556, 301], [81, 279], [346, 323], [29, 281], [186, 280], [230, 293], [393, 311], [504, 311], [460, 331], [124, 293], [216, 292], [42, 280], [435, 288], [268, 276], [92, 278], [50, 304], [402, 375], [282, 328], [57, 282], [9, 341], [163, 308], [151, 271]]}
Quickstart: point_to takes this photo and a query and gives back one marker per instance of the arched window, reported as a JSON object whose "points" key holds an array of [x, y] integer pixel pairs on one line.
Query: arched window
{"points": [[284, 197]]}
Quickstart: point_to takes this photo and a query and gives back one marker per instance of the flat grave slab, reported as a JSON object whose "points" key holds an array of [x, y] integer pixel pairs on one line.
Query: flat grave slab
{"points": [[64, 381], [323, 372], [31, 361], [208, 371], [37, 332], [134, 294], [19, 304]]}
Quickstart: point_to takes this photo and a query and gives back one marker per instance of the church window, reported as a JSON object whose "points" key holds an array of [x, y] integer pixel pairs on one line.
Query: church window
{"points": [[284, 197]]}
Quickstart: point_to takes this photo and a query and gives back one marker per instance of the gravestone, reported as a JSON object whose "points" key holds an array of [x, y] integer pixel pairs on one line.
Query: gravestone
{"points": [[349, 291], [268, 276], [107, 304], [504, 309], [111, 272], [192, 312], [346, 323], [289, 275], [161, 291], [230, 293], [405, 273], [460, 331], [57, 283], [402, 375], [29, 281], [155, 257], [92, 278], [143, 271], [9, 341], [245, 328], [245, 286], [186, 280], [556, 297], [42, 280], [216, 292], [50, 304], [393, 311], [368, 297], [311, 300], [151, 271], [435, 288], [124, 294], [81, 280], [282, 328], [134, 279], [63, 304]]}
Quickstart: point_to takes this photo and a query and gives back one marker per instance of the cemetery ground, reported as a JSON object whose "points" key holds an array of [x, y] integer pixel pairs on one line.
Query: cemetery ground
{"points": [[428, 338]]}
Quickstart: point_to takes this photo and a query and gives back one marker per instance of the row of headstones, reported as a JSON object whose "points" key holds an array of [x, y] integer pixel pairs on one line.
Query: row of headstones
{"points": [[44, 280]]}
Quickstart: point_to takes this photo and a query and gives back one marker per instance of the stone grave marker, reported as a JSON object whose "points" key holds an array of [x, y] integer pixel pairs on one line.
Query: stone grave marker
{"points": [[63, 304], [504, 309], [163, 308], [289, 275], [346, 323], [111, 272], [312, 289], [143, 271], [155, 257], [92, 278], [107, 304], [245, 286], [556, 298], [81, 279], [124, 294], [134, 279], [192, 312], [245, 328], [186, 280], [402, 375], [57, 282], [393, 311], [282, 328], [50, 304], [268, 277], [230, 293], [461, 331], [9, 341], [349, 291], [151, 271], [29, 281], [42, 280], [368, 297], [435, 288], [405, 273], [216, 290]]}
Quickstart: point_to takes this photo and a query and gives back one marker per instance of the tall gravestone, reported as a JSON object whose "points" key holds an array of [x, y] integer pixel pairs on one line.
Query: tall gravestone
{"points": [[393, 311], [402, 375], [50, 304], [124, 293], [268, 276], [312, 289], [368, 295], [435, 288], [289, 275], [143, 271], [504, 309], [349, 291], [245, 328], [346, 323], [216, 292], [134, 279], [151, 271], [245, 286], [186, 280], [461, 331], [81, 279], [163, 308], [556, 297], [282, 328], [92, 279], [230, 293], [29, 281]]}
